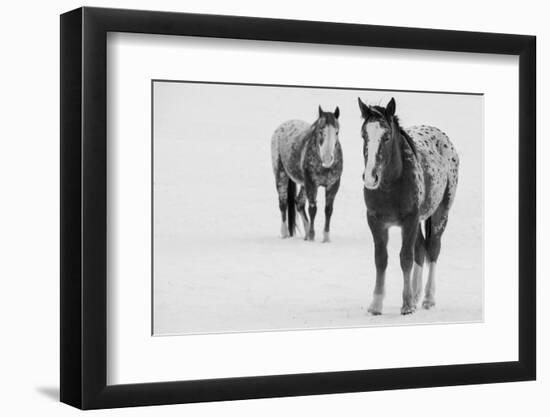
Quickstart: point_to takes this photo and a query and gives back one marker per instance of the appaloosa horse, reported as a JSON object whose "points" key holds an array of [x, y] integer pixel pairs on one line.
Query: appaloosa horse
{"points": [[309, 155], [410, 177]]}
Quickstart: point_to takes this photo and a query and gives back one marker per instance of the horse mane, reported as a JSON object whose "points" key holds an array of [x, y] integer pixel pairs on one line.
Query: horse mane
{"points": [[405, 135], [310, 133], [380, 112]]}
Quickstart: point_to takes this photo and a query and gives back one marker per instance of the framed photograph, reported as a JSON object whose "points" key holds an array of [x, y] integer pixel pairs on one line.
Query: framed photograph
{"points": [[256, 208]]}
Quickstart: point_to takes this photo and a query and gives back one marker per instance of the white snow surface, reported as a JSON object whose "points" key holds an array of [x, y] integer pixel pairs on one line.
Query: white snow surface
{"points": [[219, 263]]}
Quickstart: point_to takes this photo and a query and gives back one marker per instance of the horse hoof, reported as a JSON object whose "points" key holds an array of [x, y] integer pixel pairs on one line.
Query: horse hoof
{"points": [[427, 304], [375, 307], [326, 239], [284, 231], [374, 312], [407, 309]]}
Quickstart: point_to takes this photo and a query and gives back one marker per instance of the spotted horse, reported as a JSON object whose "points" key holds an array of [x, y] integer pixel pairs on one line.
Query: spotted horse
{"points": [[308, 155], [410, 178]]}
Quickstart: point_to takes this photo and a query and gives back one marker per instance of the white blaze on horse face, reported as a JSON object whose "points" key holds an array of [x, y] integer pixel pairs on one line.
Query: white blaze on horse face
{"points": [[326, 150], [375, 132]]}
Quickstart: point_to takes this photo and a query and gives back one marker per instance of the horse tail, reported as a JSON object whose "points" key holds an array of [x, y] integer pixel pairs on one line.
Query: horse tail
{"points": [[291, 207]]}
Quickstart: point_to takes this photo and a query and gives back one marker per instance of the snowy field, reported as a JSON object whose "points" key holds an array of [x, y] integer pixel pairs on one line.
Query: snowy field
{"points": [[219, 263]]}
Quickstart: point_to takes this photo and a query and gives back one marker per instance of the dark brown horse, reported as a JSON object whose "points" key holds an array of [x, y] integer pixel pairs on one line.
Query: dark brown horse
{"points": [[309, 155], [410, 177]]}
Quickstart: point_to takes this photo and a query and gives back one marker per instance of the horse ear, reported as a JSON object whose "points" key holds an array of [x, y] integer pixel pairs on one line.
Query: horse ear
{"points": [[364, 108], [320, 111], [337, 112], [390, 108]]}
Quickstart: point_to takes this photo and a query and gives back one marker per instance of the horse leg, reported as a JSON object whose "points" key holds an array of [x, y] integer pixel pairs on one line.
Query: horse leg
{"points": [[409, 231], [301, 208], [330, 194], [419, 256], [380, 236], [311, 194], [435, 226], [281, 181]]}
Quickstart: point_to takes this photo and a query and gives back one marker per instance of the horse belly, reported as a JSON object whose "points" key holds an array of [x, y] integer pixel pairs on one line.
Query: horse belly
{"points": [[293, 168], [435, 178], [432, 200]]}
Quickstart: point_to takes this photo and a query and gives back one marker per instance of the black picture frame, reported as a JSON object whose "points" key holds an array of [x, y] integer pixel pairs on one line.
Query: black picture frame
{"points": [[84, 207]]}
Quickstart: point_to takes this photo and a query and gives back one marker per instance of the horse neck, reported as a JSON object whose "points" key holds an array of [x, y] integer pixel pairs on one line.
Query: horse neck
{"points": [[311, 137], [394, 169], [308, 145]]}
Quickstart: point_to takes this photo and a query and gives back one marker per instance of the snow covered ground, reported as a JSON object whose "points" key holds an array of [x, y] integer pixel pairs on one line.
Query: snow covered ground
{"points": [[219, 263]]}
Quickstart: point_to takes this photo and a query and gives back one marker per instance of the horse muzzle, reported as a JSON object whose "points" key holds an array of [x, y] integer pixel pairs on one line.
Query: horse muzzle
{"points": [[371, 181], [327, 162]]}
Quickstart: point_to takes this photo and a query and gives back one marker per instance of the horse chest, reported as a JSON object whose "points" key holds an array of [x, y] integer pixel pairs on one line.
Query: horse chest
{"points": [[392, 205], [314, 172]]}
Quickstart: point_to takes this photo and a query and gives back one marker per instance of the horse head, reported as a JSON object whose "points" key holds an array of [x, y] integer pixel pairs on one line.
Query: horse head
{"points": [[380, 134], [326, 129]]}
